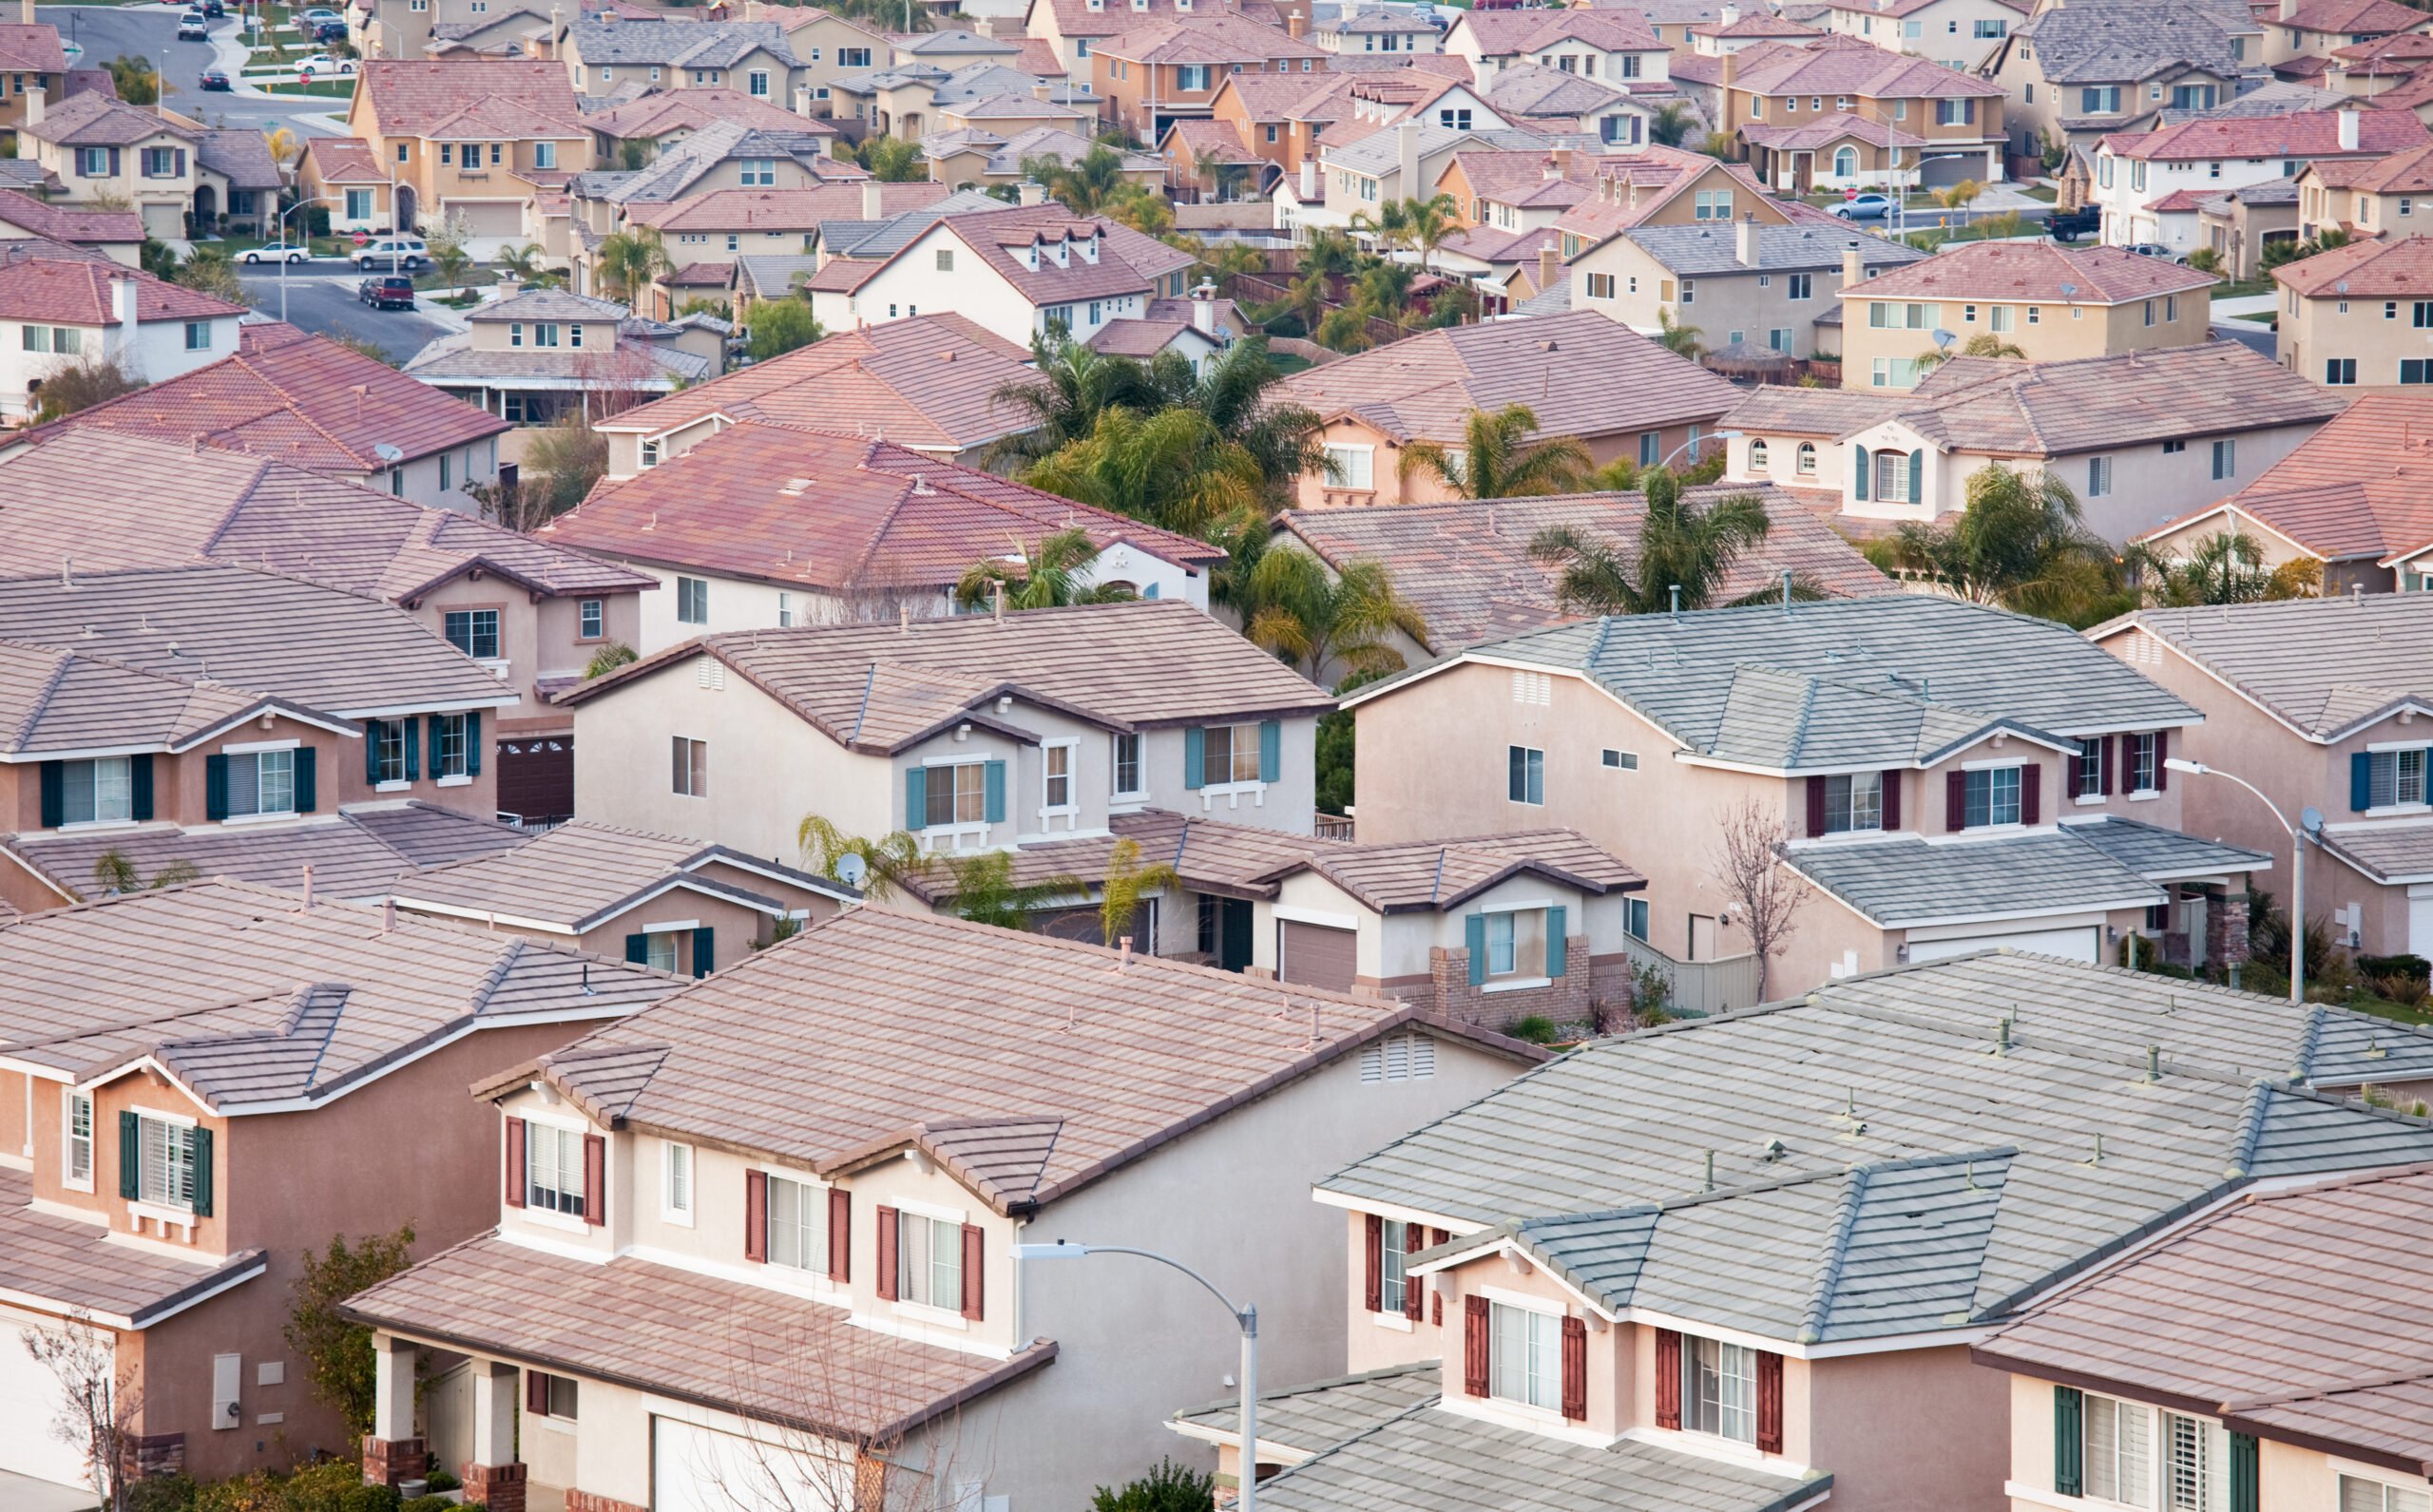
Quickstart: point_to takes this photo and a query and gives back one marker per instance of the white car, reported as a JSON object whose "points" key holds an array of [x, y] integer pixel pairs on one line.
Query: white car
{"points": [[377, 254], [324, 65], [279, 252]]}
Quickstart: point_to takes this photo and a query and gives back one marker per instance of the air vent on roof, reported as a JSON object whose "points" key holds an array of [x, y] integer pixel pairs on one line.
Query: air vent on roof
{"points": [[795, 486], [710, 673]]}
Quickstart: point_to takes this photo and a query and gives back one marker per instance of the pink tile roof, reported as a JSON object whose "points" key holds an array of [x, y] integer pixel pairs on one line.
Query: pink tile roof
{"points": [[1812, 132], [2361, 486], [67, 222], [655, 115], [79, 294], [2014, 270], [1129, 262], [1502, 33], [1207, 39], [345, 160], [1863, 70], [422, 99], [2304, 134], [2353, 16], [104, 120], [32, 49], [778, 209], [2402, 269]]}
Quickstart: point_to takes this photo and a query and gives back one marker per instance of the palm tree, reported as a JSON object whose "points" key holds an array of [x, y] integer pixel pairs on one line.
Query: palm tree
{"points": [[1983, 344], [2020, 543], [1314, 618], [1126, 881], [630, 261], [1390, 227], [890, 861], [1328, 252], [1046, 577], [1081, 385], [521, 263], [2224, 569], [1170, 469], [1497, 461], [1669, 125], [1682, 340], [1086, 186], [984, 891], [1431, 223], [1234, 393], [1680, 546]]}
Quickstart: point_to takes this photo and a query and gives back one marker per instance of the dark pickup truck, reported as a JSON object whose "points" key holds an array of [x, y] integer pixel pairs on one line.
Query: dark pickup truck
{"points": [[2068, 225]]}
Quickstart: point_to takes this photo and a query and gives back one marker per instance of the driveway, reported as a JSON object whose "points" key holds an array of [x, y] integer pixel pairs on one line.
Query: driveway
{"points": [[320, 299], [151, 32]]}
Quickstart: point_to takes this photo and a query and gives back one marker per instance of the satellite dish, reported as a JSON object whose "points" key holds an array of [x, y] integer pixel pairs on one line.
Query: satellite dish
{"points": [[850, 870], [387, 454], [2310, 820], [1944, 340]]}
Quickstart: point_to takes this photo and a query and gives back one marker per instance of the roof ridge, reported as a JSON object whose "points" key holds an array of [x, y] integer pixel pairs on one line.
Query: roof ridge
{"points": [[496, 977], [1828, 1275], [41, 699]]}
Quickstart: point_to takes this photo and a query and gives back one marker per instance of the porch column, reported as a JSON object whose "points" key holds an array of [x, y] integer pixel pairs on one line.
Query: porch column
{"points": [[492, 1476], [393, 1453]]}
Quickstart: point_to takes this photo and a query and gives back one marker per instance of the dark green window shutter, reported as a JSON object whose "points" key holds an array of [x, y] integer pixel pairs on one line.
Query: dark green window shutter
{"points": [[1474, 935], [473, 743], [432, 725], [139, 786], [638, 949], [371, 752], [413, 749], [916, 798], [2069, 1440], [54, 794], [130, 1157], [993, 787], [1271, 751], [1558, 945], [202, 1173], [214, 787], [1859, 475], [1195, 748], [1917, 477], [705, 951], [2361, 782], [307, 781], [2245, 1489]]}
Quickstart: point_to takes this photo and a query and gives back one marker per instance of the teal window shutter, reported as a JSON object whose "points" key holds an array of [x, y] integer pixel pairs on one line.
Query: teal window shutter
{"points": [[202, 1173], [2361, 782], [214, 787], [54, 794], [916, 798], [1271, 751], [414, 749], [994, 781], [1474, 936], [1558, 942], [2246, 1484], [371, 751], [1917, 477], [1195, 748], [638, 949], [130, 1157], [705, 951], [434, 728], [139, 787], [2069, 1440], [473, 740], [1859, 475], [307, 782]]}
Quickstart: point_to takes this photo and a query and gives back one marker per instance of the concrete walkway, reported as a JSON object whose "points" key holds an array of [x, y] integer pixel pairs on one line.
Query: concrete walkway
{"points": [[2245, 304]]}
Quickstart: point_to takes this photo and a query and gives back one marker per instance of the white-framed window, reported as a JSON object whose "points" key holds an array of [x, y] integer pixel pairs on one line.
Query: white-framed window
{"points": [[451, 749], [688, 767], [553, 1170], [1127, 766], [676, 1185], [2120, 1451], [1991, 796], [553, 1396], [2090, 768], [692, 601], [1229, 753], [473, 631], [544, 154], [97, 792], [198, 335], [956, 795], [759, 83], [1757, 455], [264, 781], [1891, 473], [798, 1225], [1854, 802], [758, 171], [1998, 317], [929, 1260], [1399, 1058], [1524, 774], [1718, 1389], [2099, 477], [1524, 1359], [2357, 1494], [2226, 459], [591, 619], [2143, 769], [1055, 769], [76, 1163], [1516, 944], [2397, 778], [164, 1153], [1806, 464]]}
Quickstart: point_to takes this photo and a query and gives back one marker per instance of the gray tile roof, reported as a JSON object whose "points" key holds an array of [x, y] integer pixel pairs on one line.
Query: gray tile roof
{"points": [[1698, 252], [2396, 852], [1296, 1423], [1208, 856], [581, 875], [679, 44], [2129, 41], [70, 1263], [549, 304], [2073, 867], [1381, 151], [1897, 1065], [1893, 680], [871, 240], [2324, 665]]}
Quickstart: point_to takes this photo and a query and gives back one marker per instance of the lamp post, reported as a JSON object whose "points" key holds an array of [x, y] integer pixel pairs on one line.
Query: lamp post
{"points": [[300, 203], [2312, 821], [1245, 1316], [1716, 435]]}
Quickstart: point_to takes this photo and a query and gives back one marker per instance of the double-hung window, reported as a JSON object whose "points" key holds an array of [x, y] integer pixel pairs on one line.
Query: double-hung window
{"points": [[450, 748], [1718, 1389], [2090, 768], [1992, 797], [264, 781], [929, 1260], [590, 619], [2397, 778], [553, 1169], [958, 794], [1056, 762], [166, 1156], [2144, 771], [676, 1191], [96, 792], [474, 632], [77, 1166], [387, 738], [761, 171], [1127, 765], [797, 1225], [1391, 1257], [1854, 802], [1229, 753], [1525, 1358], [1525, 774]]}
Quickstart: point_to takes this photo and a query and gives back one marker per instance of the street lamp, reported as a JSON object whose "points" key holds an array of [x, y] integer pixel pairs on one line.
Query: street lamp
{"points": [[302, 202], [2312, 821], [1714, 436], [1245, 1316]]}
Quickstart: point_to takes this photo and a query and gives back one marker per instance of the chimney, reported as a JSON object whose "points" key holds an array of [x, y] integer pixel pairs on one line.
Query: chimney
{"points": [[1203, 306], [1041, 90], [1296, 26], [1562, 161], [122, 291], [874, 201], [1729, 14], [2346, 116], [1751, 240], [1853, 266], [307, 866], [1309, 178], [1406, 159], [984, 27], [2289, 9], [33, 101], [1729, 107], [1549, 267], [1034, 194]]}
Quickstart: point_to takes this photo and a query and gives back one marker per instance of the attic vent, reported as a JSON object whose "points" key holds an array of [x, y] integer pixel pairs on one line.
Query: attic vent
{"points": [[2145, 649], [1533, 687], [1548, 346], [710, 673], [1402, 1058]]}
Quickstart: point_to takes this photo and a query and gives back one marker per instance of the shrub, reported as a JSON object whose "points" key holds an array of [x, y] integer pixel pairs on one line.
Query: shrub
{"points": [[1537, 1029], [1170, 1487], [2395, 966], [81, 386], [337, 1354], [362, 1498], [160, 1493], [441, 1479], [427, 1503], [2204, 259]]}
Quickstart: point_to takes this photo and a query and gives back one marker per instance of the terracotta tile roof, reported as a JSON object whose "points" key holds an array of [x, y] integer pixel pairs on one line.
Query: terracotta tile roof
{"points": [[1777, 26], [676, 1332], [1207, 39], [2353, 16], [53, 702], [1434, 876], [104, 120], [1128, 261], [418, 99], [2300, 134], [31, 48], [927, 381], [1525, 177], [684, 44], [1077, 18], [1583, 374], [70, 223], [1201, 135], [2014, 270], [303, 400], [1208, 856], [2177, 200], [778, 209], [1535, 91], [2361, 486], [1863, 70], [1125, 338], [1658, 173], [73, 1265], [78, 292], [1502, 33], [241, 157], [2408, 46], [580, 875], [1818, 132], [2370, 270], [655, 115], [1466, 564], [1162, 1049]]}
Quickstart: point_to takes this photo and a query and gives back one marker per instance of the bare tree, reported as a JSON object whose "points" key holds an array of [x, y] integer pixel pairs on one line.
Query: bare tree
{"points": [[99, 1401], [1758, 886]]}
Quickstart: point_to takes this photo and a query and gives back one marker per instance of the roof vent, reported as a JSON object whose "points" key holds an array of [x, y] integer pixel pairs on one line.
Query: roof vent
{"points": [[795, 486]]}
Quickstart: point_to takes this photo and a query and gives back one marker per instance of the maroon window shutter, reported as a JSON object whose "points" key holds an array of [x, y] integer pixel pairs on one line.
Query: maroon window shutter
{"points": [[536, 1393], [2104, 779], [1436, 1309], [2163, 754], [756, 1216], [1474, 1346], [886, 1254], [1892, 800], [2031, 792], [1770, 1402], [1373, 1297], [1816, 806], [515, 1162], [974, 1258], [840, 1235], [1955, 800], [1575, 1369], [595, 1180], [2071, 782], [1438, 1236], [1668, 1379], [1414, 1288]]}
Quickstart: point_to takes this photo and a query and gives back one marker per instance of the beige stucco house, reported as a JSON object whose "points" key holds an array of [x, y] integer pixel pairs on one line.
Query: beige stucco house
{"points": [[475, 139], [2350, 317]]}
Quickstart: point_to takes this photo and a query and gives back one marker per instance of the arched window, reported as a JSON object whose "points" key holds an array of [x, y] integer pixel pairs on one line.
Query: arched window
{"points": [[1845, 163], [1806, 459], [1757, 455]]}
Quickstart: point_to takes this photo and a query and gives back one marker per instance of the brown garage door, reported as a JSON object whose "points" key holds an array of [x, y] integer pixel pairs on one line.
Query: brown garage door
{"points": [[1316, 956]]}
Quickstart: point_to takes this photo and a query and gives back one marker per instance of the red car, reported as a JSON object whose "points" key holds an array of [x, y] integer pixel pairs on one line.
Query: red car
{"points": [[392, 291]]}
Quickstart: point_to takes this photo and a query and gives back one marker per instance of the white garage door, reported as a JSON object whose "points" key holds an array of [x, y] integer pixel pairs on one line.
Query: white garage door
{"points": [[29, 1404], [2078, 942], [697, 1469], [2420, 925], [490, 218]]}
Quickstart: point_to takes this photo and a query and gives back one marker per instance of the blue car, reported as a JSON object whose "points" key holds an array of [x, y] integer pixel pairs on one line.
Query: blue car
{"points": [[1865, 207]]}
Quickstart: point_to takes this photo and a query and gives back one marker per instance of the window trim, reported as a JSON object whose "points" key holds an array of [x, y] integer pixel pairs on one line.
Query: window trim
{"points": [[670, 1211], [68, 1177], [1139, 766], [1071, 746]]}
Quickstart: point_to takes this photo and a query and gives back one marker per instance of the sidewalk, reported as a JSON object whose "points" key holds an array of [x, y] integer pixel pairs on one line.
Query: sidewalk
{"points": [[2243, 304]]}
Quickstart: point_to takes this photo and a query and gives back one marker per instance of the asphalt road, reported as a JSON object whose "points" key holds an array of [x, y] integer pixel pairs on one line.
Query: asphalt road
{"points": [[2253, 334], [324, 303], [151, 32]]}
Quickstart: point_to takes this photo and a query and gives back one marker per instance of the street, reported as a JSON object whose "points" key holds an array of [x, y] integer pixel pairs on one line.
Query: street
{"points": [[323, 302], [151, 32]]}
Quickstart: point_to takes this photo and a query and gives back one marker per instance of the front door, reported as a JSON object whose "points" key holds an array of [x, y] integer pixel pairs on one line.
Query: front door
{"points": [[1803, 172], [1233, 948]]}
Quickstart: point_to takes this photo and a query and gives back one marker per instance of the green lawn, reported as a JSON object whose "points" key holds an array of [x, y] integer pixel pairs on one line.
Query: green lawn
{"points": [[2040, 192], [2385, 1008], [2242, 290], [325, 89]]}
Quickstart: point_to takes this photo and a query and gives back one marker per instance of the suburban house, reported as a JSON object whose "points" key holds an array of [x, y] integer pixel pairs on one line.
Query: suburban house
{"points": [[927, 383], [1668, 186], [308, 402], [345, 176], [1704, 1264], [2054, 304], [970, 732], [1810, 717], [1556, 102], [1955, 33], [1517, 190], [1407, 159], [69, 312], [777, 524], [472, 139], [179, 175], [2140, 439], [975, 158], [2317, 28], [117, 235], [532, 614], [861, 1251], [1151, 76], [674, 905], [2380, 196], [1716, 38], [661, 120], [2133, 169], [1072, 29], [2076, 74], [167, 1171], [1593, 44], [2193, 1366], [1381, 28], [1776, 285], [754, 56], [2238, 224], [36, 66], [2313, 700], [1869, 95], [530, 356], [2349, 315], [826, 46]]}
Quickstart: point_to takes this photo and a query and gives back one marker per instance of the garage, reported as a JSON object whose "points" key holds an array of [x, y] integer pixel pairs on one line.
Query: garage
{"points": [[2081, 942], [699, 1469], [1314, 955], [30, 1402], [491, 218]]}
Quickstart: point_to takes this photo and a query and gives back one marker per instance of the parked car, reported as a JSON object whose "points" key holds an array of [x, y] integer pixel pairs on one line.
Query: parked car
{"points": [[318, 14], [2148, 249], [390, 290], [2068, 225], [279, 252], [405, 252], [216, 79], [192, 28], [329, 32], [1865, 207], [326, 64]]}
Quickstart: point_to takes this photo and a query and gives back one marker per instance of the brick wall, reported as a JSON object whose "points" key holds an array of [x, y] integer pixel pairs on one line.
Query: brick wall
{"points": [[2225, 928], [1566, 1000]]}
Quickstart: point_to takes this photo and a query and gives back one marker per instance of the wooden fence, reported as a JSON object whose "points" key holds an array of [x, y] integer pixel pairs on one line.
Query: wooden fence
{"points": [[1700, 987]]}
